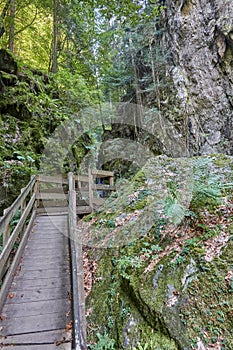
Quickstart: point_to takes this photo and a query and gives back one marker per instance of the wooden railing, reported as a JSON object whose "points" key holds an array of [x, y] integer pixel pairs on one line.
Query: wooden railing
{"points": [[24, 206], [78, 300], [80, 195], [53, 190]]}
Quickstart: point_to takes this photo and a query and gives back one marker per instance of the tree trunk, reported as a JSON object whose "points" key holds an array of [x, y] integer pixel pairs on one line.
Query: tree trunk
{"points": [[3, 15], [12, 26], [137, 118], [54, 66]]}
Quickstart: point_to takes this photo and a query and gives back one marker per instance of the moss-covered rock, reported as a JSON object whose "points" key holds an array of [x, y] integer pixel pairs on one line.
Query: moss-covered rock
{"points": [[165, 275]]}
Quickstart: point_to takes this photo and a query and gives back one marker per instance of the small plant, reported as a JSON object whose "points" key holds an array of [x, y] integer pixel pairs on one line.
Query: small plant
{"points": [[141, 347], [104, 343], [174, 210], [128, 262]]}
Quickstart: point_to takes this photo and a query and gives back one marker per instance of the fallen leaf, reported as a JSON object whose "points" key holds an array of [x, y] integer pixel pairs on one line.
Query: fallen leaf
{"points": [[229, 278], [69, 326]]}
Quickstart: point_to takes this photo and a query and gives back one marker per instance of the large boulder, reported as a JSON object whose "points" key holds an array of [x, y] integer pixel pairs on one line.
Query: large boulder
{"points": [[163, 244]]}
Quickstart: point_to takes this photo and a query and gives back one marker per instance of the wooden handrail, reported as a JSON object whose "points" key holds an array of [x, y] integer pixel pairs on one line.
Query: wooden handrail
{"points": [[79, 329], [52, 179], [11, 211], [27, 208]]}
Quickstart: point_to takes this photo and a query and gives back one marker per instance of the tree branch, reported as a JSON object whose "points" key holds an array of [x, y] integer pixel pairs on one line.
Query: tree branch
{"points": [[28, 25], [3, 15]]}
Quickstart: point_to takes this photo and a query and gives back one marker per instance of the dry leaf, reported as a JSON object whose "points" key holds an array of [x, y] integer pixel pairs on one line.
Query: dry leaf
{"points": [[229, 278], [69, 326]]}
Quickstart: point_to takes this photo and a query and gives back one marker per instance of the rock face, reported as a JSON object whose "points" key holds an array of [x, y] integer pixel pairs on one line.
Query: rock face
{"points": [[164, 283], [200, 36]]}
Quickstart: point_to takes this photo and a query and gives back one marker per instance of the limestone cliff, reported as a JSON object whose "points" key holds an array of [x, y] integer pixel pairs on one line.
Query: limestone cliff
{"points": [[199, 34]]}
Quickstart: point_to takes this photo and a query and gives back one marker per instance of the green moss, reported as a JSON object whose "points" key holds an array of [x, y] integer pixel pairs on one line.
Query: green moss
{"points": [[208, 310], [182, 298], [221, 160]]}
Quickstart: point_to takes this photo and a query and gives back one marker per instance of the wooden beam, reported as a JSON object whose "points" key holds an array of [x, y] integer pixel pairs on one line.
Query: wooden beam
{"points": [[10, 243], [11, 272], [98, 201], [102, 173], [9, 214], [81, 178], [91, 184], [50, 196], [84, 209], [52, 179], [103, 187]]}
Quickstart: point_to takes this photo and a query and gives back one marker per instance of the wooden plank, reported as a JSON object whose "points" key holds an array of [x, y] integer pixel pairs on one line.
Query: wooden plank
{"points": [[98, 201], [52, 196], [82, 203], [103, 187], [48, 337], [55, 211], [102, 173], [52, 190], [52, 179], [37, 323], [46, 245], [47, 236], [83, 193], [59, 272], [10, 275], [81, 178], [84, 210], [55, 232], [52, 240], [47, 283], [33, 265], [34, 308], [45, 258], [39, 347], [25, 296], [38, 252], [50, 225]]}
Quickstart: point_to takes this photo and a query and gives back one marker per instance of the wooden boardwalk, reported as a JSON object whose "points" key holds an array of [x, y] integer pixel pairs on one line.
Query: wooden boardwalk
{"points": [[37, 312], [42, 301]]}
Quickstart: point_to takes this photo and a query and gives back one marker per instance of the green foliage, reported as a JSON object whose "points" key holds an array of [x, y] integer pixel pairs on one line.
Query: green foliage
{"points": [[174, 210], [104, 343], [126, 264], [207, 188]]}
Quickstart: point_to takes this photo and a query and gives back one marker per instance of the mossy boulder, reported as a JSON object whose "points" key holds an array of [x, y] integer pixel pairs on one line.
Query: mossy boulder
{"points": [[163, 246]]}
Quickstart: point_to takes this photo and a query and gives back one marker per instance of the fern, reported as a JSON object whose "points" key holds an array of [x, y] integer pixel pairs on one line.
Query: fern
{"points": [[174, 210], [207, 187], [104, 343]]}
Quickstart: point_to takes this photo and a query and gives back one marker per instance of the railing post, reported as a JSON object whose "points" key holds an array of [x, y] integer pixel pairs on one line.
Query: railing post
{"points": [[111, 181], [7, 228], [79, 330], [22, 208], [91, 185], [36, 191]]}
